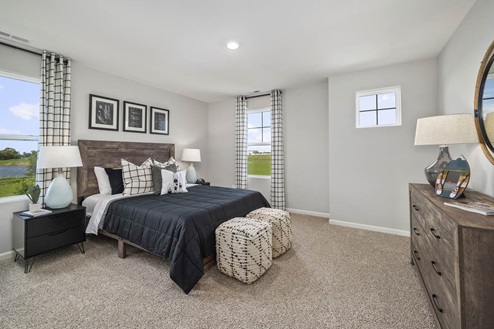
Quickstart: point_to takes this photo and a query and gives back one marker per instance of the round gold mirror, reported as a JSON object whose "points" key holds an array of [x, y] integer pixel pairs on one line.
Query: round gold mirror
{"points": [[484, 104]]}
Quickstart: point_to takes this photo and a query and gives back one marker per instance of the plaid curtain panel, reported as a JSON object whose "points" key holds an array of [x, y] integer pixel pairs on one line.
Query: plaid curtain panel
{"points": [[54, 111], [137, 179], [241, 143], [277, 153]]}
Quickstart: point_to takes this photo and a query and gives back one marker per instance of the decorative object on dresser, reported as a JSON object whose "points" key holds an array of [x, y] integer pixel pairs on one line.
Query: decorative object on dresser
{"points": [[452, 251], [33, 193], [59, 193], [103, 113], [453, 179], [191, 155], [484, 97], [34, 235], [444, 130], [134, 117], [160, 121]]}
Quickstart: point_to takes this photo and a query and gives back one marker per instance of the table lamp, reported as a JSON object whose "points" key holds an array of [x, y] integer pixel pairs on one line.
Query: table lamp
{"points": [[191, 155], [443, 130], [59, 193]]}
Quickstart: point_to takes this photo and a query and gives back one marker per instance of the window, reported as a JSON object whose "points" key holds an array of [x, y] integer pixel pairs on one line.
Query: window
{"points": [[259, 142], [19, 130], [378, 107]]}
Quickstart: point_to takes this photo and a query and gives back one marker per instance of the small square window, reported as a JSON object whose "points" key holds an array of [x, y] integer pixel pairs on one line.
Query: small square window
{"points": [[378, 107]]}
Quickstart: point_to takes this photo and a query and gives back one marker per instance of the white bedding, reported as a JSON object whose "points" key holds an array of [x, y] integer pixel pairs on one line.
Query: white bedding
{"points": [[96, 205]]}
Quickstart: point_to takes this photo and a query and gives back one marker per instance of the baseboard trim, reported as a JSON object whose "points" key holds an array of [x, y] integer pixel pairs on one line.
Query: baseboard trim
{"points": [[7, 255], [370, 227], [306, 212]]}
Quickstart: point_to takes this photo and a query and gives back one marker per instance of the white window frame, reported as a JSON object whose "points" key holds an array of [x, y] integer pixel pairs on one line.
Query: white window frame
{"points": [[395, 89], [258, 110]]}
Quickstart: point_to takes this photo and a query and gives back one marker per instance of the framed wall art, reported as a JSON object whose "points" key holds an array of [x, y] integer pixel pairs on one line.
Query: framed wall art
{"points": [[160, 121], [134, 117], [103, 113]]}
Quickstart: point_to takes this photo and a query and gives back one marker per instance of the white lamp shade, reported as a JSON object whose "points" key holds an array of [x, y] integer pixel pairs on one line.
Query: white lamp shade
{"points": [[59, 157], [191, 155], [446, 129]]}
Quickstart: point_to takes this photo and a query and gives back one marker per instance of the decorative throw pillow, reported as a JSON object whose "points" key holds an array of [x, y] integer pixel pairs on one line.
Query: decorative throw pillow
{"points": [[116, 180], [136, 179], [170, 165], [173, 182], [103, 180]]}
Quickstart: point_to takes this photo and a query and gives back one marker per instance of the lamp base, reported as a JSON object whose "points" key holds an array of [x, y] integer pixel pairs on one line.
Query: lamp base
{"points": [[432, 171], [59, 193], [191, 175]]}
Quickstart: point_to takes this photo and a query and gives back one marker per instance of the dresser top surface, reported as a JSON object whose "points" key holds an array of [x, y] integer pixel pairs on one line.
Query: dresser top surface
{"points": [[461, 217]]}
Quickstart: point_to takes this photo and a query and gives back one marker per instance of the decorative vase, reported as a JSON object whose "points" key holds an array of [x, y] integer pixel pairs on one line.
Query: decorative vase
{"points": [[34, 207]]}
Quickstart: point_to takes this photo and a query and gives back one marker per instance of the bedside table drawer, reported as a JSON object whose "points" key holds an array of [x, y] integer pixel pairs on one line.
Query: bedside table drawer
{"points": [[54, 240], [54, 223]]}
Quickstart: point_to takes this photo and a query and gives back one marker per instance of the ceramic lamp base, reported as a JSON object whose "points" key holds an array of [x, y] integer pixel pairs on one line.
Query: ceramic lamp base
{"points": [[191, 174], [59, 193]]}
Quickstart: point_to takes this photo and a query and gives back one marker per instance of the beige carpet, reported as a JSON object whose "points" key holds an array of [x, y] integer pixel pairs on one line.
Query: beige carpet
{"points": [[334, 277]]}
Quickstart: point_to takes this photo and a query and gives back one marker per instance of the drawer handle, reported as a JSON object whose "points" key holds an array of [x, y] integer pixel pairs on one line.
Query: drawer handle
{"points": [[434, 300], [416, 231], [415, 207], [416, 254], [58, 232], [434, 266], [433, 230]]}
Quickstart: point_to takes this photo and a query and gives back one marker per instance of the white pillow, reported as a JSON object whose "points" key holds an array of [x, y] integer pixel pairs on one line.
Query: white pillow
{"points": [[136, 179], [103, 181], [173, 182]]}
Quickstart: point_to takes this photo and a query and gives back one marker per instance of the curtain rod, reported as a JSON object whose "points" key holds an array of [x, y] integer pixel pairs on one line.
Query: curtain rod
{"points": [[260, 94], [36, 52]]}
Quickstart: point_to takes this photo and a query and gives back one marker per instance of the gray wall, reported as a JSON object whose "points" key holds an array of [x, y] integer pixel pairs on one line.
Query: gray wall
{"points": [[458, 66], [188, 120], [305, 120], [370, 168]]}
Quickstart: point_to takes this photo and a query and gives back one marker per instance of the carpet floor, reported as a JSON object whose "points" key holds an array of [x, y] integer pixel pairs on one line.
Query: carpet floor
{"points": [[333, 277]]}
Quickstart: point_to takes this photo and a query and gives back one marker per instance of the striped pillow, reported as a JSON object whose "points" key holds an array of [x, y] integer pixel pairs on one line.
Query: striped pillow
{"points": [[137, 179]]}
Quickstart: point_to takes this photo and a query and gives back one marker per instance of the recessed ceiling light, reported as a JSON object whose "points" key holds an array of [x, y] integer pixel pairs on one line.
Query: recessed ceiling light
{"points": [[232, 45]]}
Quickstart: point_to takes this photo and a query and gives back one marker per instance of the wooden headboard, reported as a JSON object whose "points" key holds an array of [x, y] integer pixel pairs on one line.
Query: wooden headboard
{"points": [[108, 154]]}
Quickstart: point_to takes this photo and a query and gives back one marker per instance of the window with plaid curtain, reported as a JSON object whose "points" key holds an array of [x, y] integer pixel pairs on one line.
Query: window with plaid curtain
{"points": [[241, 143], [54, 111]]}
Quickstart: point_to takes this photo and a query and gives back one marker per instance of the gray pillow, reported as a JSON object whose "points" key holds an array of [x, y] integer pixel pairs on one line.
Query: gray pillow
{"points": [[156, 171]]}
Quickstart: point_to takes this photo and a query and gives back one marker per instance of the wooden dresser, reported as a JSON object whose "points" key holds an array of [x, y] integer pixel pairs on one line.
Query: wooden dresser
{"points": [[453, 251]]}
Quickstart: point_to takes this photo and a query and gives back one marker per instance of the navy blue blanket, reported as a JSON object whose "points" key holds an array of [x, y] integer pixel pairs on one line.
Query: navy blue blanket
{"points": [[180, 226]]}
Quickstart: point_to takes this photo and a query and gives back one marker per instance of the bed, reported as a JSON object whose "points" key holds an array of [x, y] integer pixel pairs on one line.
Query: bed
{"points": [[179, 227]]}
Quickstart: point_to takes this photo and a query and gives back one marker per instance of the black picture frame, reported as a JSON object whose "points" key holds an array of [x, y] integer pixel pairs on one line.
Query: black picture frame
{"points": [[103, 112], [160, 121], [134, 117]]}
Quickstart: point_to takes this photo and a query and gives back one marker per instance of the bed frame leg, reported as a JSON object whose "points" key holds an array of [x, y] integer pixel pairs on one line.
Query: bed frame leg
{"points": [[122, 252]]}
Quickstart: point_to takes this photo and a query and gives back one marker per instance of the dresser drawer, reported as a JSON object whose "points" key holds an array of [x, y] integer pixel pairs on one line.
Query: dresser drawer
{"points": [[54, 223], [443, 303], [54, 240]]}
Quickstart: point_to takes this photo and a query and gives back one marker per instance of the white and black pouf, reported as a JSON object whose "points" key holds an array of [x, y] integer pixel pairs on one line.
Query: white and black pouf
{"points": [[281, 226], [244, 248]]}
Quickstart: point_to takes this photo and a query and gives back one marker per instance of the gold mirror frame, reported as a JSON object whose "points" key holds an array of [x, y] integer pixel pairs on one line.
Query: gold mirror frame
{"points": [[485, 143]]}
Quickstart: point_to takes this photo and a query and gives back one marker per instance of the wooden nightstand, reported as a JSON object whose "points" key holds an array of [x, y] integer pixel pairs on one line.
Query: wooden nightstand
{"points": [[36, 235]]}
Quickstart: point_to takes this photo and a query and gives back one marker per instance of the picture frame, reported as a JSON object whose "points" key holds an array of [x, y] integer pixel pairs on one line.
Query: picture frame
{"points": [[134, 117], [453, 179], [159, 121], [103, 112]]}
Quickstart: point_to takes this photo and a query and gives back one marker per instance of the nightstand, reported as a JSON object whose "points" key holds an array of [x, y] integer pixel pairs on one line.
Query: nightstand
{"points": [[36, 235]]}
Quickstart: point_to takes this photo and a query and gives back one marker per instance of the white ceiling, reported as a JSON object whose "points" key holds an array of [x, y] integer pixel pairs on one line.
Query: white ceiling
{"points": [[180, 45]]}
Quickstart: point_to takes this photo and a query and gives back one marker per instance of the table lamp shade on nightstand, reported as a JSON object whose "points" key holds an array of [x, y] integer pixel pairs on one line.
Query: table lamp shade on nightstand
{"points": [[59, 193], [443, 130], [191, 155]]}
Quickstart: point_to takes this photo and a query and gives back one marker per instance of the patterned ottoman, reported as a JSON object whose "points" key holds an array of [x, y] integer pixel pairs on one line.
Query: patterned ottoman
{"points": [[244, 249], [281, 226]]}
